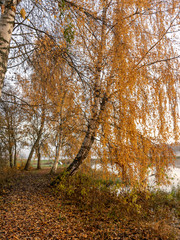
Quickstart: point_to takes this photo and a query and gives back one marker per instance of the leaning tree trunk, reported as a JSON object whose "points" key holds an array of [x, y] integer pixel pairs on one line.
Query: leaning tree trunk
{"points": [[7, 18], [36, 143], [88, 140], [84, 150], [32, 151]]}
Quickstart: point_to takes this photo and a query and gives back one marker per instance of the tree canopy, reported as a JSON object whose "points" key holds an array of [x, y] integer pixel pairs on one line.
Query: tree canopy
{"points": [[119, 63]]}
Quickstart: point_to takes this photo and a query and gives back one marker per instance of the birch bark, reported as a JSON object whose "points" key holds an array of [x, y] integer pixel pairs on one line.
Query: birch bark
{"points": [[100, 100], [7, 18], [88, 140], [56, 161]]}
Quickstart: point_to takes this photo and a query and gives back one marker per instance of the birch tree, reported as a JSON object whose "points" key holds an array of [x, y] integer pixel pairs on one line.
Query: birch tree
{"points": [[7, 19], [125, 65], [128, 67]]}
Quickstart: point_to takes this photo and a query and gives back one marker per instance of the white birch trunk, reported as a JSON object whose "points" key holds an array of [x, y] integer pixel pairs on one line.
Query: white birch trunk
{"points": [[58, 153], [7, 18], [55, 164], [100, 100]]}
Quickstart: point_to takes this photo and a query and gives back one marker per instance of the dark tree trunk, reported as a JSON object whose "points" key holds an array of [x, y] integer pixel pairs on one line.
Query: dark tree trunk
{"points": [[31, 152], [10, 157], [15, 155], [84, 150], [35, 145], [88, 140], [39, 158]]}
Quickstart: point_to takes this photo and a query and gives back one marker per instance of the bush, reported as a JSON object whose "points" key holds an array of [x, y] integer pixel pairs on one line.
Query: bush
{"points": [[3, 162], [152, 212], [98, 194], [7, 176]]}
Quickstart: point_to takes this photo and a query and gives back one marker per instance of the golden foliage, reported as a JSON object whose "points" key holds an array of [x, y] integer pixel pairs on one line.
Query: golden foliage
{"points": [[130, 59], [117, 80], [23, 13]]}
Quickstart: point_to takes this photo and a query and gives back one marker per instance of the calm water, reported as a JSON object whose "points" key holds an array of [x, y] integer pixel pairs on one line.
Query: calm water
{"points": [[173, 176]]}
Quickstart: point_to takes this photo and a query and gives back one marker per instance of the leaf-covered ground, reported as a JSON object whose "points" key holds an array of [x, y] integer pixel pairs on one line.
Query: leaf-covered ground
{"points": [[30, 210]]}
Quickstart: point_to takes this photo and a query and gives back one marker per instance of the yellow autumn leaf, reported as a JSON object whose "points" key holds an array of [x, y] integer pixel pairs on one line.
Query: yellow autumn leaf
{"points": [[23, 13], [13, 8]]}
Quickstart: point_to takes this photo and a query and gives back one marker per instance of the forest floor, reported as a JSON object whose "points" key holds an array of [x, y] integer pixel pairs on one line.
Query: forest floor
{"points": [[30, 210]]}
